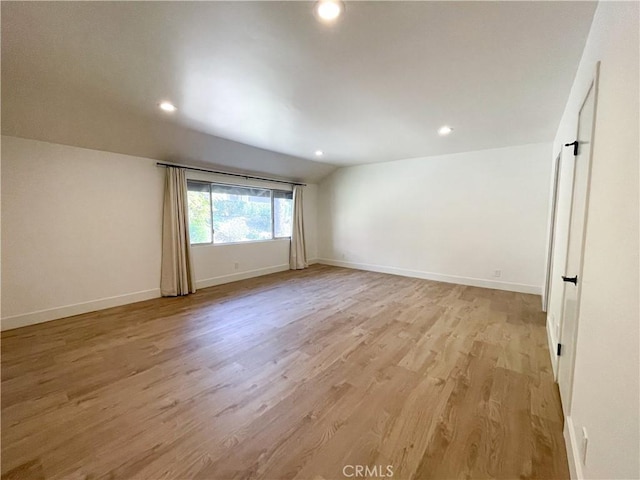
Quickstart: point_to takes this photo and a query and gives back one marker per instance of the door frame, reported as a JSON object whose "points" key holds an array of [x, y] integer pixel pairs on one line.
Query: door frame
{"points": [[552, 231], [593, 84]]}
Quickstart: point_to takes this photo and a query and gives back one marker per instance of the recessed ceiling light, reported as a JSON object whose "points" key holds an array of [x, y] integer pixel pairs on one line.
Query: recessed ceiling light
{"points": [[328, 10], [167, 107], [319, 153], [445, 130]]}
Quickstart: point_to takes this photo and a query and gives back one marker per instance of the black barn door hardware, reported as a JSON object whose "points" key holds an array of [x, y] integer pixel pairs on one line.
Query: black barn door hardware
{"points": [[573, 280], [575, 147]]}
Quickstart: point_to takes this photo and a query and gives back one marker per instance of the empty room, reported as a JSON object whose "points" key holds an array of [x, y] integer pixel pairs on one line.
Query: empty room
{"points": [[320, 240]]}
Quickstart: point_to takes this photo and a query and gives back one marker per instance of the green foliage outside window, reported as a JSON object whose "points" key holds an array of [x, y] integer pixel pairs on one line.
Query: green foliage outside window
{"points": [[240, 218], [238, 214], [199, 217]]}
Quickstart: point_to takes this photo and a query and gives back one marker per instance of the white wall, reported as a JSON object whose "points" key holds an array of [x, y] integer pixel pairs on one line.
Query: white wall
{"points": [[78, 226], [81, 230], [606, 391], [454, 218]]}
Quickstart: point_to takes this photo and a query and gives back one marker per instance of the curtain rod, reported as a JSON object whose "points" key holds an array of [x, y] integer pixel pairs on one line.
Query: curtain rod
{"points": [[248, 177]]}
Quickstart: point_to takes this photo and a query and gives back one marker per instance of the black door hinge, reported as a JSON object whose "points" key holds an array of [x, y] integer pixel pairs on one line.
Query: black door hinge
{"points": [[575, 147], [559, 351]]}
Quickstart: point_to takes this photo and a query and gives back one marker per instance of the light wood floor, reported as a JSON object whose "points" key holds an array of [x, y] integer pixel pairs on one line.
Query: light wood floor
{"points": [[293, 375]]}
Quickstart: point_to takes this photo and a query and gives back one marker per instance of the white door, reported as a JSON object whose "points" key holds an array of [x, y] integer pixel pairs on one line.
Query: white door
{"points": [[572, 276], [552, 233]]}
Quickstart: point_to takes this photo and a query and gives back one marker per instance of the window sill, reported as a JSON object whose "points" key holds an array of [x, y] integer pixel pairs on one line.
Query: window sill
{"points": [[248, 242]]}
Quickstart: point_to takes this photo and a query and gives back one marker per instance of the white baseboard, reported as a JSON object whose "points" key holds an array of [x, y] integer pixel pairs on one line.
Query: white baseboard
{"points": [[553, 342], [438, 277], [234, 277], [573, 453], [40, 316]]}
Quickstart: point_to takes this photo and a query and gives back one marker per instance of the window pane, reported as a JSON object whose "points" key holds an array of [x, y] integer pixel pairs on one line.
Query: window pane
{"points": [[199, 212], [282, 213], [241, 214]]}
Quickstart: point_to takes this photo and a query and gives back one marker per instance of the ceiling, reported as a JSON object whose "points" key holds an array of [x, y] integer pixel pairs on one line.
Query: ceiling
{"points": [[375, 86]]}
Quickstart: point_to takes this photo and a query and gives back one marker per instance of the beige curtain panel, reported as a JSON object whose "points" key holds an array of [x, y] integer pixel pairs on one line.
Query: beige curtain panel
{"points": [[177, 277], [297, 251]]}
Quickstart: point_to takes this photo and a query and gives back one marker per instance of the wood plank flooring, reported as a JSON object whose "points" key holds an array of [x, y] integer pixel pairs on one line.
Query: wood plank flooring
{"points": [[294, 375]]}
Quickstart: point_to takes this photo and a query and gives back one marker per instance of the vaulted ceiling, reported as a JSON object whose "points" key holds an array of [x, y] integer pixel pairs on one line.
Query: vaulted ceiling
{"points": [[374, 86]]}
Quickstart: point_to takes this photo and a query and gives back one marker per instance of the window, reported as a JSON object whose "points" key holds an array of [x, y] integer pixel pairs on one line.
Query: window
{"points": [[199, 199], [282, 213], [229, 214], [240, 214]]}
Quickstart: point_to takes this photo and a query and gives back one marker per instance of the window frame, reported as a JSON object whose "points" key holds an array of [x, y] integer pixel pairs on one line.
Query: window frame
{"points": [[273, 221], [208, 184], [273, 213]]}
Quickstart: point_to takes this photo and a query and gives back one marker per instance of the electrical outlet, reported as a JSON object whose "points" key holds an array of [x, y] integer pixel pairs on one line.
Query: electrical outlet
{"points": [[497, 273], [585, 444], [236, 265]]}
